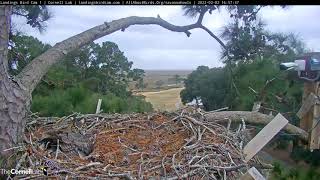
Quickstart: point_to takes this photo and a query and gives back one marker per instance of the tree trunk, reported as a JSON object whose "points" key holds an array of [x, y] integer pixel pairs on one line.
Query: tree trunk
{"points": [[14, 101]]}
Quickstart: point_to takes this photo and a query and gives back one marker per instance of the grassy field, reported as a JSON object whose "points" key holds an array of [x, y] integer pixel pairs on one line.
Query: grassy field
{"points": [[167, 97], [168, 100]]}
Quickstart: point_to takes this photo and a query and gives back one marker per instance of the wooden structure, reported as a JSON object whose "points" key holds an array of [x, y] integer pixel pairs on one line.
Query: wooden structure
{"points": [[98, 106], [264, 136], [309, 114], [252, 174]]}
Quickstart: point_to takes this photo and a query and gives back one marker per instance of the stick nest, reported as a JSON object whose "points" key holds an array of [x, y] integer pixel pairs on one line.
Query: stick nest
{"points": [[175, 145]]}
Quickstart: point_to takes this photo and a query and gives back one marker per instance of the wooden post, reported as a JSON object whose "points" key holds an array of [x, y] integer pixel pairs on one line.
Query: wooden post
{"points": [[305, 122], [309, 121], [315, 128], [98, 106], [307, 105]]}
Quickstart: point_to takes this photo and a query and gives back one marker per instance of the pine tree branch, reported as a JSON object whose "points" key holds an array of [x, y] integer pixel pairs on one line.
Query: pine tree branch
{"points": [[31, 75]]}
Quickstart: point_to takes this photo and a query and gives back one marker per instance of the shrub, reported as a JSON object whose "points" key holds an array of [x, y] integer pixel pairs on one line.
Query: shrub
{"points": [[56, 104], [79, 99], [281, 173]]}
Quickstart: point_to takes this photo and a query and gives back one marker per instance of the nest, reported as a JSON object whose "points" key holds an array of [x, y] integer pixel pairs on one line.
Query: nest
{"points": [[134, 146]]}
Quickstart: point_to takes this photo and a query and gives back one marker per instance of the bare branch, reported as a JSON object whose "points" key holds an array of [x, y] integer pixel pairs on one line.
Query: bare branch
{"points": [[37, 68], [214, 36], [201, 15]]}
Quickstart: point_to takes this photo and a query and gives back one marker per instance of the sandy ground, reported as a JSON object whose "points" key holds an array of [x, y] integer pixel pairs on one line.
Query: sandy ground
{"points": [[168, 100]]}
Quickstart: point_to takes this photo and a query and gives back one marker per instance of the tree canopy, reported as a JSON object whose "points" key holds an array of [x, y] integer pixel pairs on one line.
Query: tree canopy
{"points": [[80, 79], [36, 16], [251, 74]]}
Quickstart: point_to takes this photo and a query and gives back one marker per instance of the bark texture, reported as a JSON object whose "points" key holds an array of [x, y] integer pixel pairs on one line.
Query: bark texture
{"points": [[254, 118], [14, 101]]}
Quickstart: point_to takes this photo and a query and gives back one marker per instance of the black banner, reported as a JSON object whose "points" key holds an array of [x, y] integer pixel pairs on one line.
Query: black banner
{"points": [[162, 2]]}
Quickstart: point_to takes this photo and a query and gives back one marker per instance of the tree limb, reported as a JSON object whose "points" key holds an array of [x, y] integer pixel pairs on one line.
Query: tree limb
{"points": [[253, 118], [214, 36], [37, 68]]}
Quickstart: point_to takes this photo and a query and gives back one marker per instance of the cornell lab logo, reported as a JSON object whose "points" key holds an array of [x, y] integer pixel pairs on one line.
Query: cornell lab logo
{"points": [[13, 172]]}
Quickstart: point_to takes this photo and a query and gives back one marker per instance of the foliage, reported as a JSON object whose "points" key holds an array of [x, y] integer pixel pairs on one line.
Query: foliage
{"points": [[262, 81], [206, 84], [300, 153], [61, 102], [22, 50], [255, 74], [252, 57], [85, 75], [245, 13], [193, 11], [141, 84], [36, 15], [100, 68], [245, 45], [281, 173]]}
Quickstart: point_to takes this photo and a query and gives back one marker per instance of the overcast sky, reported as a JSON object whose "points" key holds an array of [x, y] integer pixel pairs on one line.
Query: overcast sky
{"points": [[152, 47]]}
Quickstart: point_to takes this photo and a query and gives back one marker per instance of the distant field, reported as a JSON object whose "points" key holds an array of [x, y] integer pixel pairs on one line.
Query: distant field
{"points": [[168, 100], [167, 73], [152, 76]]}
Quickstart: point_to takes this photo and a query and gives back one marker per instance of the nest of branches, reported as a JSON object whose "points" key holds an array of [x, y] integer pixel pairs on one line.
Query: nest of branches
{"points": [[134, 146]]}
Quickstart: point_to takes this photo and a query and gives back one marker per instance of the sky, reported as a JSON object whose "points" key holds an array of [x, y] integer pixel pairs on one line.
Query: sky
{"points": [[153, 47]]}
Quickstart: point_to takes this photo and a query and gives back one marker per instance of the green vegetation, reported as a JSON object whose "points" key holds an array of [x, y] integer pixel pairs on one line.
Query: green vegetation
{"points": [[251, 73], [75, 84], [282, 173], [78, 99], [141, 84], [209, 85]]}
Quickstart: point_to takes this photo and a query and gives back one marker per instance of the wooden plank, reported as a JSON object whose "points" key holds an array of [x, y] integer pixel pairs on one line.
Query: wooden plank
{"points": [[264, 136], [98, 106], [315, 128], [252, 174], [307, 119], [307, 105]]}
